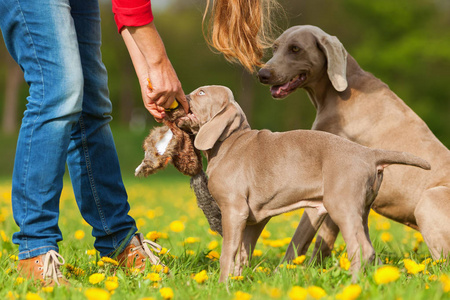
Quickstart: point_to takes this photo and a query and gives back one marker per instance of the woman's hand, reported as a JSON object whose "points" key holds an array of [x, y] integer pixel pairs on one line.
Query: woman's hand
{"points": [[151, 63]]}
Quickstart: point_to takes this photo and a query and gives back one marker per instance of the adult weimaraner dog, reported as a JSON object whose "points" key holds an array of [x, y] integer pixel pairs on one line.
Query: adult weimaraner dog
{"points": [[257, 174], [353, 104]]}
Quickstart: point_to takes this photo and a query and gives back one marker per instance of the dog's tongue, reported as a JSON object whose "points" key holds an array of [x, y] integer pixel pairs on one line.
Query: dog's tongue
{"points": [[279, 91]]}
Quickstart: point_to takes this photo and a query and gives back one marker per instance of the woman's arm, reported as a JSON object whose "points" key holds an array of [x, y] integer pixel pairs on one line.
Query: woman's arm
{"points": [[135, 23]]}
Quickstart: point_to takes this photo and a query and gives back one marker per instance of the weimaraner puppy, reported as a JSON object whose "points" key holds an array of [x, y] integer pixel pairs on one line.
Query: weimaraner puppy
{"points": [[353, 104], [257, 174]]}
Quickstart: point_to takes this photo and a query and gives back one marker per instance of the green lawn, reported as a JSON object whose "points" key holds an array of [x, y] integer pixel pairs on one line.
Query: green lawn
{"points": [[162, 199]]}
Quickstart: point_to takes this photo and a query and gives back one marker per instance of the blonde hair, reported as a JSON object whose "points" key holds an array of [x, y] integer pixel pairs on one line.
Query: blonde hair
{"points": [[241, 29]]}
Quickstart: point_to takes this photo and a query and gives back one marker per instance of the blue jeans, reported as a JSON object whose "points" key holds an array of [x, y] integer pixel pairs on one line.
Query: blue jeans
{"points": [[57, 45]]}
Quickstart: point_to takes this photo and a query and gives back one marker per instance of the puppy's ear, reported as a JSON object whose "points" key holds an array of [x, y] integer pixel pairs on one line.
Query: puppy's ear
{"points": [[219, 127], [337, 61]]}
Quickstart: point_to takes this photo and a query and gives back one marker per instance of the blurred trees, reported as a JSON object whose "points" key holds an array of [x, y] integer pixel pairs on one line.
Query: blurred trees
{"points": [[406, 43]]}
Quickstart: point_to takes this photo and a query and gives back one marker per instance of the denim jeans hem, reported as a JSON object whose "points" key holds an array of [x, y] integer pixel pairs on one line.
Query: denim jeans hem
{"points": [[36, 252], [121, 246]]}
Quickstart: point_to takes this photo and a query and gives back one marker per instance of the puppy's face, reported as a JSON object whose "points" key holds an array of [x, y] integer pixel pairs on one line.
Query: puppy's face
{"points": [[205, 102], [216, 115]]}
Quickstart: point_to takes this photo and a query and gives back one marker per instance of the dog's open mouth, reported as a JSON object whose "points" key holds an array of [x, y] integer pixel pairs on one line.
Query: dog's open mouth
{"points": [[281, 91]]}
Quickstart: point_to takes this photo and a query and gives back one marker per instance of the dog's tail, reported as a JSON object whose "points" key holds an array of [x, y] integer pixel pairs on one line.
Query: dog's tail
{"points": [[385, 158]]}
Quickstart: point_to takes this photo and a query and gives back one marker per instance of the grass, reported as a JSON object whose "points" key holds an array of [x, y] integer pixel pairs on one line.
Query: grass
{"points": [[163, 198], [159, 200]]}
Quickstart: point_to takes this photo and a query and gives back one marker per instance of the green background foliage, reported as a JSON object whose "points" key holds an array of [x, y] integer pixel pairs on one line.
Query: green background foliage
{"points": [[405, 43]]}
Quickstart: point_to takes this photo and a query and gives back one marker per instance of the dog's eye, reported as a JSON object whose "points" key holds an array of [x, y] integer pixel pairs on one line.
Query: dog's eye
{"points": [[295, 48], [201, 93]]}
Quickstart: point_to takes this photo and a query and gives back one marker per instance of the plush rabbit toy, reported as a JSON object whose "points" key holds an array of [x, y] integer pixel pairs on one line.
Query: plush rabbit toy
{"points": [[169, 143]]}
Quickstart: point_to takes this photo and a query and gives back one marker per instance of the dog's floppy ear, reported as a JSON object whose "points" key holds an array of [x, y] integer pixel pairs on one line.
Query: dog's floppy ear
{"points": [[219, 127], [337, 61]]}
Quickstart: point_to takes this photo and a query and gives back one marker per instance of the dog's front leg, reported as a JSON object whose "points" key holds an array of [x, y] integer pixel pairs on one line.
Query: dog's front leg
{"points": [[234, 220]]}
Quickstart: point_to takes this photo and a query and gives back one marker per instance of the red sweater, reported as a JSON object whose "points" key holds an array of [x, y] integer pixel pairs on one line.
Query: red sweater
{"points": [[132, 13]]}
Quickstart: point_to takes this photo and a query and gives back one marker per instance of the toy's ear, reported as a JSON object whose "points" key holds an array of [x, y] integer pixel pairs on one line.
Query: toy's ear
{"points": [[219, 127], [337, 61]]}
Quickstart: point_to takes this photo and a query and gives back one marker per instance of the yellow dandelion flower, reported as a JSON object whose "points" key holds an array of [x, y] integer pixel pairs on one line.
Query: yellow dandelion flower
{"points": [[350, 292], [211, 232], [432, 277], [299, 260], [153, 277], [159, 268], [257, 253], [176, 226], [386, 237], [316, 292], [4, 236], [190, 252], [100, 263], [445, 280], [237, 278], [32, 296], [274, 293], [386, 274], [298, 293], [265, 234], [213, 245], [12, 295], [276, 243], [47, 289], [96, 278], [13, 257], [97, 294], [79, 234], [110, 260], [191, 240], [383, 225], [201, 277], [151, 214], [418, 237], [74, 270], [239, 295], [156, 268], [164, 250], [91, 252], [263, 270], [213, 255], [19, 280], [140, 222], [111, 285], [290, 267], [153, 235], [113, 278], [166, 293], [412, 267], [344, 263]]}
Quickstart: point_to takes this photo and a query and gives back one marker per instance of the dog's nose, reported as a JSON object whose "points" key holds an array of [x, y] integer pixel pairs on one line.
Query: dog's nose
{"points": [[264, 75]]}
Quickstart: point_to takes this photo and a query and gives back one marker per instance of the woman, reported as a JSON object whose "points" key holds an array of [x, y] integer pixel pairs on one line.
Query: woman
{"points": [[57, 45]]}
